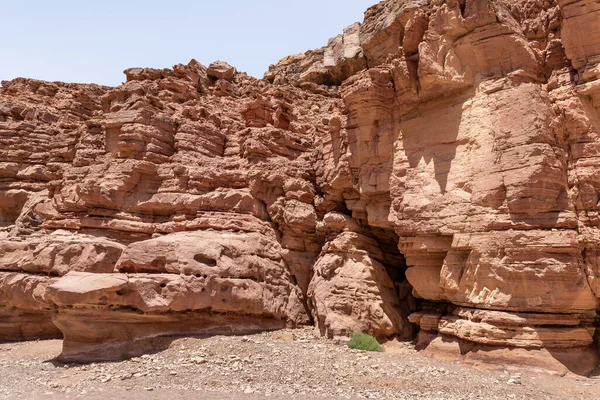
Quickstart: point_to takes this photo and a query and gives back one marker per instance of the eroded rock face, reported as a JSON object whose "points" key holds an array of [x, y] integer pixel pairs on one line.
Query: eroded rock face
{"points": [[436, 166], [352, 292], [472, 135]]}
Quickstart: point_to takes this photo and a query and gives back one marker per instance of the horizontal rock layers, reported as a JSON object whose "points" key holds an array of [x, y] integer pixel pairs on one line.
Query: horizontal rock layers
{"points": [[471, 133], [184, 202], [434, 168]]}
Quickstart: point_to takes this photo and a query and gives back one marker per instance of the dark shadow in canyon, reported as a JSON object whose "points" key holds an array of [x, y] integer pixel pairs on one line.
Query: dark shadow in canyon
{"points": [[395, 266], [11, 205]]}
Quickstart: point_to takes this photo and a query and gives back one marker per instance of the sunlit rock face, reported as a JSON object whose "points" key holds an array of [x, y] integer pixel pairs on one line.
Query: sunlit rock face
{"points": [[473, 137], [433, 169]]}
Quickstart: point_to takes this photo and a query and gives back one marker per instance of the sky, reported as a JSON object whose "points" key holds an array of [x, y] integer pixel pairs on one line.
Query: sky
{"points": [[95, 40]]}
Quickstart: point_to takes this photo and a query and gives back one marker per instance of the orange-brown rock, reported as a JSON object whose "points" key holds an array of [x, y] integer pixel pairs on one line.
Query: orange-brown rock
{"points": [[352, 292], [435, 166], [24, 312], [474, 138]]}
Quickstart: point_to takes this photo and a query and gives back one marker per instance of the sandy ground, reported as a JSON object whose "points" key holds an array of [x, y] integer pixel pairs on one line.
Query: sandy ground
{"points": [[286, 364]]}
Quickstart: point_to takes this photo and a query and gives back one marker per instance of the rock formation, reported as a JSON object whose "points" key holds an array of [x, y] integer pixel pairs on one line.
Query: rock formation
{"points": [[435, 168]]}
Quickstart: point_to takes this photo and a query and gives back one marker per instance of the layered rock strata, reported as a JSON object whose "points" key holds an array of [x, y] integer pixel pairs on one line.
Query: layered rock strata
{"points": [[434, 168], [474, 138], [186, 203]]}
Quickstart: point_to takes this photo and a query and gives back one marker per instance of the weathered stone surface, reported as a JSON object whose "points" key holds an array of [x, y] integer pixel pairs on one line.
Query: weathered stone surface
{"points": [[445, 151], [221, 70], [59, 253], [163, 293], [341, 58], [506, 329], [24, 312], [352, 292]]}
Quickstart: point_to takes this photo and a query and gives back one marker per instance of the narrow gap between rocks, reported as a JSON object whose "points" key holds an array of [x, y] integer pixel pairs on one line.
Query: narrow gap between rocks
{"points": [[395, 265]]}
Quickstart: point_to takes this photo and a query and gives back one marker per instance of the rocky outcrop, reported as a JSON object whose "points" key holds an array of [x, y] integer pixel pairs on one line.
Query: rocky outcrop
{"points": [[352, 292], [472, 135], [434, 168]]}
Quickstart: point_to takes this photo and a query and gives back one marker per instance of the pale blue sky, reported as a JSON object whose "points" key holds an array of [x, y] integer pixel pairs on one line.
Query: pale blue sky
{"points": [[95, 40]]}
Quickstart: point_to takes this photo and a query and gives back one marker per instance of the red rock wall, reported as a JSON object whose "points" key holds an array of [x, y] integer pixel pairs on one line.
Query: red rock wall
{"points": [[473, 136], [445, 151]]}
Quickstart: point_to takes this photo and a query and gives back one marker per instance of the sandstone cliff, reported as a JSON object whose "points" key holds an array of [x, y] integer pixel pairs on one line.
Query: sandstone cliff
{"points": [[435, 168]]}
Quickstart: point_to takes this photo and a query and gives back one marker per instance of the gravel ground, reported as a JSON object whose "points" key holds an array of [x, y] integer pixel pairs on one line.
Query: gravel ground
{"points": [[285, 364]]}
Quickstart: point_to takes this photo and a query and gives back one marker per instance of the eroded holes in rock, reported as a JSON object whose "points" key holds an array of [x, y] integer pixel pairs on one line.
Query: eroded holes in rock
{"points": [[121, 292], [202, 259], [327, 79], [126, 269], [163, 285]]}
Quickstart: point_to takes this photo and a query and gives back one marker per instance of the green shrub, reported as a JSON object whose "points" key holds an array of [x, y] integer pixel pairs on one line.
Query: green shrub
{"points": [[363, 341]]}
